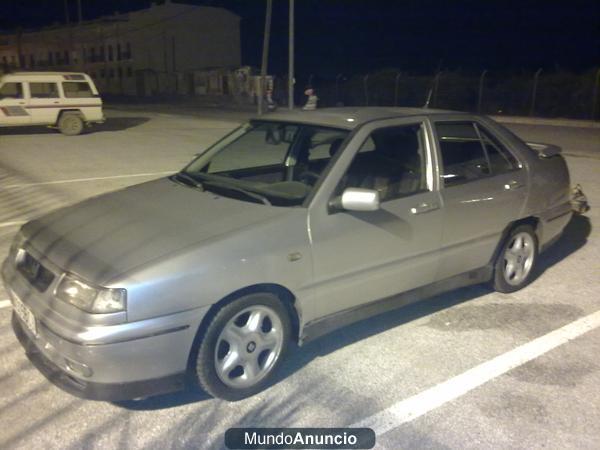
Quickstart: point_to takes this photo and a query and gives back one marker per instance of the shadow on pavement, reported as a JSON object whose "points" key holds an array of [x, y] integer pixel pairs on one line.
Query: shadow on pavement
{"points": [[111, 124]]}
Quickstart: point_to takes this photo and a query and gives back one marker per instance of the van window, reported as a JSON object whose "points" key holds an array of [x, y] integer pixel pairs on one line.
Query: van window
{"points": [[75, 89], [43, 90], [11, 90]]}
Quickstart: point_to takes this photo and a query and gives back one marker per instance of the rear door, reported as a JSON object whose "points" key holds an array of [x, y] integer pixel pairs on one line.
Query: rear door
{"points": [[13, 104], [44, 102], [484, 189]]}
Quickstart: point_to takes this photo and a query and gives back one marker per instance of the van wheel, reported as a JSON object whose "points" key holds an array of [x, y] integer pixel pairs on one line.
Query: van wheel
{"points": [[516, 261], [243, 346], [70, 124]]}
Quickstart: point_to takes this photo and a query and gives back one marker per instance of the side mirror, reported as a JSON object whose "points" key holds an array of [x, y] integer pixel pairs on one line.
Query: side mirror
{"points": [[356, 199], [545, 150]]}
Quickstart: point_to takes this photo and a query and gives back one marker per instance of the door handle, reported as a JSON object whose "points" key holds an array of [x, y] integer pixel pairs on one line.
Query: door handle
{"points": [[511, 185], [424, 207]]}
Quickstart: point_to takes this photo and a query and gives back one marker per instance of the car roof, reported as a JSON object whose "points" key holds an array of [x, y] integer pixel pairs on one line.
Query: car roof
{"points": [[348, 117], [22, 75]]}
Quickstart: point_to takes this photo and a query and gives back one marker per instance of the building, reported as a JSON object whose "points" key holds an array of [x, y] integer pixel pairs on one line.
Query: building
{"points": [[158, 50]]}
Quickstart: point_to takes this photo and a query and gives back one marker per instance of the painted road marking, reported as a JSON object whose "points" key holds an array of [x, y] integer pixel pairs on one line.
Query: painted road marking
{"points": [[420, 404], [79, 180], [12, 224], [4, 303]]}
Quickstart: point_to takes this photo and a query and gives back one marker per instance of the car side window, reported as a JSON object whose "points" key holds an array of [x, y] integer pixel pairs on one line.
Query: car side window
{"points": [[463, 157], [392, 161], [11, 90], [501, 159], [77, 89], [43, 90]]}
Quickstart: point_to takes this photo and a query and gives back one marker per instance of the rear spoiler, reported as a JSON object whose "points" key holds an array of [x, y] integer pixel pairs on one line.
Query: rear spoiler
{"points": [[545, 150]]}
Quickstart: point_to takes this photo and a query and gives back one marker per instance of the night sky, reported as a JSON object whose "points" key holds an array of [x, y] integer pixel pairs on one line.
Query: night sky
{"points": [[412, 35]]}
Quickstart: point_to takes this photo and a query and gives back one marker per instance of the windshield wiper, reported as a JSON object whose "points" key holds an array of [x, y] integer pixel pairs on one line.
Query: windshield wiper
{"points": [[188, 179], [263, 199]]}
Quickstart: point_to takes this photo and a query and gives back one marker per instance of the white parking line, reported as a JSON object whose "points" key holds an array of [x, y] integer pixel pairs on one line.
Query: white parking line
{"points": [[79, 180], [4, 303], [12, 224], [414, 407]]}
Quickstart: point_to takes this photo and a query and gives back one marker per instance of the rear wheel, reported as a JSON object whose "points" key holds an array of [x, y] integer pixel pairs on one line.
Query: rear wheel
{"points": [[70, 124], [516, 261], [242, 347]]}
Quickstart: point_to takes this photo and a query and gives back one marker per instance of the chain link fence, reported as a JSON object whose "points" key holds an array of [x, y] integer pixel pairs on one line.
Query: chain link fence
{"points": [[539, 93]]}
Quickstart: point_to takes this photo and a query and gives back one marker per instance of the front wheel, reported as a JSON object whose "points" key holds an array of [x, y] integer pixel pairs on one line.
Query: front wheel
{"points": [[242, 347], [516, 261]]}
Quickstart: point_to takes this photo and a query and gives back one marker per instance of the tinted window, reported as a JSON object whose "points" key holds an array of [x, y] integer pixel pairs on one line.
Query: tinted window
{"points": [[392, 162], [43, 90], [463, 157], [11, 90], [77, 90], [501, 160]]}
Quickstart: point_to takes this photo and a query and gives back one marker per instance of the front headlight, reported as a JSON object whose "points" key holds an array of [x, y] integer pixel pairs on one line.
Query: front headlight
{"points": [[92, 299]]}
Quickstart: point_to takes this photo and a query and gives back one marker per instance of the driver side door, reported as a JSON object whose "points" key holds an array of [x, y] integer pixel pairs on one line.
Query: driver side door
{"points": [[361, 257]]}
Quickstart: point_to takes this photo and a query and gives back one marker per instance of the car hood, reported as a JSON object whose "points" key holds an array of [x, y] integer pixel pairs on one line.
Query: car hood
{"points": [[107, 236]]}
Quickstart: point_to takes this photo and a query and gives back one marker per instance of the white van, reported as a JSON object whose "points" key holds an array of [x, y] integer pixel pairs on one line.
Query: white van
{"points": [[66, 100]]}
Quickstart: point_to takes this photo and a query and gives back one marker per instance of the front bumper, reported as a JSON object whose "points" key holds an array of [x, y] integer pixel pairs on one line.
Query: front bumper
{"points": [[88, 389], [104, 362]]}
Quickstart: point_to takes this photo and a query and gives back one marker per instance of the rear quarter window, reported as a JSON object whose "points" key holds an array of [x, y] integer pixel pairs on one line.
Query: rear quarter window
{"points": [[43, 90], [77, 89]]}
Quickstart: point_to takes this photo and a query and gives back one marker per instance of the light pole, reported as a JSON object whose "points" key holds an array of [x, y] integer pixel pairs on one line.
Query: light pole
{"points": [[291, 58], [265, 55]]}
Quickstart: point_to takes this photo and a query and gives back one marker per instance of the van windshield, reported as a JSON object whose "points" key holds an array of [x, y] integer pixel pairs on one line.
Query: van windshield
{"points": [[276, 163]]}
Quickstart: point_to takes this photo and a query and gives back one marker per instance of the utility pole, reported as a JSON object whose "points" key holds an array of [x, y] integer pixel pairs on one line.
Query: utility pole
{"points": [[291, 58], [265, 55], [67, 18], [79, 15]]}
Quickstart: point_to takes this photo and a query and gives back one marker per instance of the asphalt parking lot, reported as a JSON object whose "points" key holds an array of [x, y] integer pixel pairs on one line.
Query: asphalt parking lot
{"points": [[467, 369]]}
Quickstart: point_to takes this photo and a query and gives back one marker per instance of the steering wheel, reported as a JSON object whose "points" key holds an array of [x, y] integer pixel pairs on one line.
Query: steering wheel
{"points": [[308, 177]]}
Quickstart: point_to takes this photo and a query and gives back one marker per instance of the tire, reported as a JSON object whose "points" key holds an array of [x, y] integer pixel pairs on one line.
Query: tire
{"points": [[70, 124], [242, 347], [515, 264]]}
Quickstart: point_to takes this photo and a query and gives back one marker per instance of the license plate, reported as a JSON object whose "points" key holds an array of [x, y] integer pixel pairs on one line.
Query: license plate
{"points": [[24, 314]]}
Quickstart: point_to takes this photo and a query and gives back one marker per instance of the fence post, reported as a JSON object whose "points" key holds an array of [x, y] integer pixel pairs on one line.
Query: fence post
{"points": [[337, 88], [366, 86], [534, 91], [479, 100], [396, 88], [595, 95]]}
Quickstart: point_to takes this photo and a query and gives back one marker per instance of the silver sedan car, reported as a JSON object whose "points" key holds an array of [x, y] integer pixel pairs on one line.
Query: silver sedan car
{"points": [[292, 225]]}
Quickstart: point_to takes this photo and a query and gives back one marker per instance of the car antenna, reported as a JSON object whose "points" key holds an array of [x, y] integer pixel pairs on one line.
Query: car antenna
{"points": [[426, 105]]}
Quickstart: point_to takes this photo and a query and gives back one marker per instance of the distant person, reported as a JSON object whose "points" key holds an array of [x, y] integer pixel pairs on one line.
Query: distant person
{"points": [[311, 102]]}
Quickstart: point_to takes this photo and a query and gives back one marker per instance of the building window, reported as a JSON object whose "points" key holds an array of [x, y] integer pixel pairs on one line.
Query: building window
{"points": [[57, 56], [102, 73], [128, 51], [129, 72], [50, 58], [102, 53], [120, 72], [13, 60], [21, 60], [84, 55], [67, 57], [110, 53], [31, 60], [119, 52], [93, 54], [111, 73], [4, 60]]}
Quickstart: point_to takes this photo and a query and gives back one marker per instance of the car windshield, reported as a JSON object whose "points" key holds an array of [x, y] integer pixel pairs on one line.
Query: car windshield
{"points": [[276, 163]]}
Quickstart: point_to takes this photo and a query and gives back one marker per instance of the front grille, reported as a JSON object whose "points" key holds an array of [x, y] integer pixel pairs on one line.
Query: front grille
{"points": [[39, 277]]}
